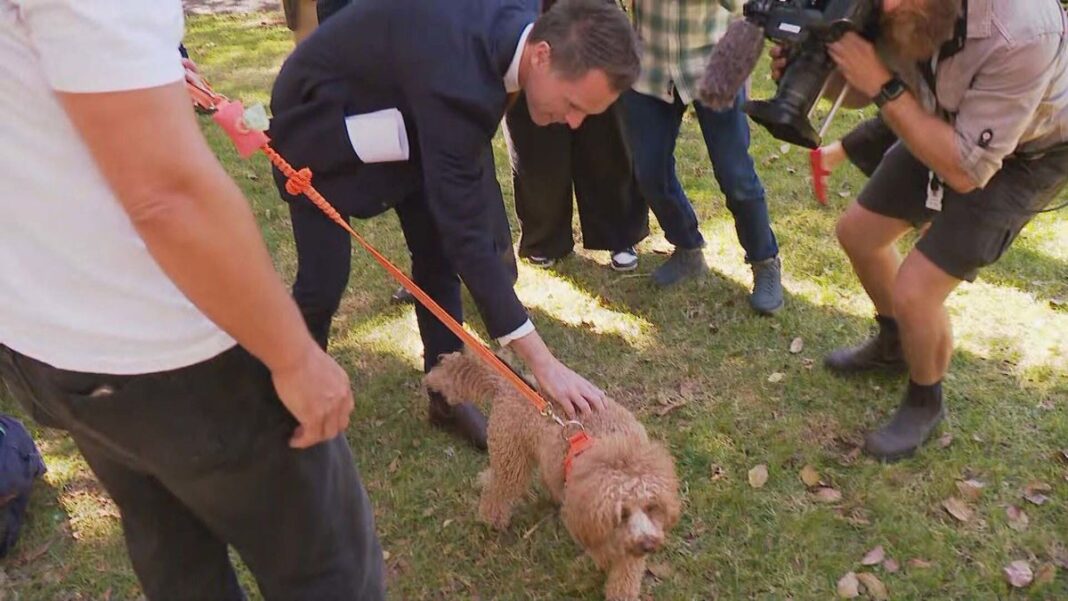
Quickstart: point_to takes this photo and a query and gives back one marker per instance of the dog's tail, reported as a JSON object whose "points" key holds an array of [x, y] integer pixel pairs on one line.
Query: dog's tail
{"points": [[462, 377]]}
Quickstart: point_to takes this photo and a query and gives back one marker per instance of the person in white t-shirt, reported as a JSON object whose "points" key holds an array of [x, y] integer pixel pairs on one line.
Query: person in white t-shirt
{"points": [[141, 313]]}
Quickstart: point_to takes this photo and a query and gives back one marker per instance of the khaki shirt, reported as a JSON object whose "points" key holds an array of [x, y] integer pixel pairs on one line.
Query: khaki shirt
{"points": [[1006, 91]]}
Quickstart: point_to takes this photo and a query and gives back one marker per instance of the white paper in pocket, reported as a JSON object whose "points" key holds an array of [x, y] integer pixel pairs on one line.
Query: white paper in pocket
{"points": [[378, 137]]}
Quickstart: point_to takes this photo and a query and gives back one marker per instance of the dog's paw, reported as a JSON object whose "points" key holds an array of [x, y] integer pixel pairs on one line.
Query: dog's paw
{"points": [[495, 518]]}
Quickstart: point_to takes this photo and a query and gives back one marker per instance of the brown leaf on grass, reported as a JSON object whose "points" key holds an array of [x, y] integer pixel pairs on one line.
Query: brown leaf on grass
{"points": [[876, 555], [891, 566], [1018, 520], [970, 489], [1034, 492], [394, 465], [849, 586], [945, 440], [826, 494], [718, 473], [661, 570], [875, 587], [796, 345], [958, 509], [776, 377], [1019, 574], [758, 476], [669, 407], [1059, 554], [919, 564], [1045, 574], [810, 476]]}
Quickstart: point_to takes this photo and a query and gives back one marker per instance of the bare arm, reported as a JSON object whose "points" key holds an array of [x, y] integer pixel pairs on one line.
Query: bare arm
{"points": [[198, 227]]}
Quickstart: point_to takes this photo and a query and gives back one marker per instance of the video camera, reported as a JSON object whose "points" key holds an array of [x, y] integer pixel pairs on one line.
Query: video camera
{"points": [[805, 27]]}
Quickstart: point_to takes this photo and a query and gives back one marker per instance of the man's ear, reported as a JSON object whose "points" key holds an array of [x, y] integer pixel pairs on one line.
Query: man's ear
{"points": [[541, 56]]}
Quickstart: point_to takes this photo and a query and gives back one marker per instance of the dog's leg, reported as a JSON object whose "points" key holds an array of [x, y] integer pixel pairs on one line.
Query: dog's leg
{"points": [[508, 480], [625, 578]]}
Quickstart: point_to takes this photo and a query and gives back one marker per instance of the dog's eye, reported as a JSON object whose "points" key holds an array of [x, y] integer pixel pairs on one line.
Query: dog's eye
{"points": [[625, 515]]}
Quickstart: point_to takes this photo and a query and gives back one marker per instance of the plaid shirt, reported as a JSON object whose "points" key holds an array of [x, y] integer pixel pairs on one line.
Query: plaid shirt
{"points": [[677, 36]]}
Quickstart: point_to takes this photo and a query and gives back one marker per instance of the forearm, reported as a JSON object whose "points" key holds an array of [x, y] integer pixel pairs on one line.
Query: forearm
{"points": [[932, 141], [533, 351], [193, 219]]}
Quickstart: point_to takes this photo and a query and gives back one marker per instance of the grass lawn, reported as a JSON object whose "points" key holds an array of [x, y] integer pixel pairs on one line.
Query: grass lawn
{"points": [[696, 366]]}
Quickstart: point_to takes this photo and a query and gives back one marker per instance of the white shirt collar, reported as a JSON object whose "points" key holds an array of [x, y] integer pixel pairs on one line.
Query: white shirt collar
{"points": [[511, 78]]}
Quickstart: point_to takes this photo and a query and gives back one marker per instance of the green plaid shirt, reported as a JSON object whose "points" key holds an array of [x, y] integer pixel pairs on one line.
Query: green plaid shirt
{"points": [[677, 36]]}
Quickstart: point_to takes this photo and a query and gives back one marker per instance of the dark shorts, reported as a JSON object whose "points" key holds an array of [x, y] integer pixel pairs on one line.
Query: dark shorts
{"points": [[972, 230]]}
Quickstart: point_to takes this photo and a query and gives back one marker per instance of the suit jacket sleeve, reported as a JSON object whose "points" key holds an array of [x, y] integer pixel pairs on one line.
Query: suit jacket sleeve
{"points": [[454, 137]]}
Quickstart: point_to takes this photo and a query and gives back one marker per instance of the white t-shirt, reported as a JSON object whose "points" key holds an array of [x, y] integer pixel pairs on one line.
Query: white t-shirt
{"points": [[78, 288]]}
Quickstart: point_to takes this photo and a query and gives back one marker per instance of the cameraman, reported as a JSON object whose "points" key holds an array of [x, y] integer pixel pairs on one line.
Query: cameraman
{"points": [[983, 149]]}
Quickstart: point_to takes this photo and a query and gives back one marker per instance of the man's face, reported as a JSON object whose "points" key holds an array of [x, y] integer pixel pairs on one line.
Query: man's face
{"points": [[915, 29], [553, 98]]}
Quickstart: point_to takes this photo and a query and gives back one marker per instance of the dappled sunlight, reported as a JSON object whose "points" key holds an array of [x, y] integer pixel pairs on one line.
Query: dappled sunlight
{"points": [[986, 316], [568, 304], [394, 335]]}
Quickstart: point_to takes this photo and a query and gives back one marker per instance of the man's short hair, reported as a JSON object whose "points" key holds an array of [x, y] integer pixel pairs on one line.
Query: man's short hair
{"points": [[590, 34]]}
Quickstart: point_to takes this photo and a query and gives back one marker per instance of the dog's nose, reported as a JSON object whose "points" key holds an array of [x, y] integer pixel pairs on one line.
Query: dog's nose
{"points": [[649, 544]]}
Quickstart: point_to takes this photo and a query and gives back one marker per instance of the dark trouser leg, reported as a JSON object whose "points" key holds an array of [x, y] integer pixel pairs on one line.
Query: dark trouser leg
{"points": [[199, 457], [541, 178], [866, 144], [726, 135], [652, 126], [612, 213], [324, 257]]}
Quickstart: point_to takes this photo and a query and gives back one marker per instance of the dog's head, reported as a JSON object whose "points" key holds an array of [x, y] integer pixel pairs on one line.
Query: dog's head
{"points": [[622, 496]]}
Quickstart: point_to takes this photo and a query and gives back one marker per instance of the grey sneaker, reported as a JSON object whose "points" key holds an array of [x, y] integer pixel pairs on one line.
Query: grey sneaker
{"points": [[767, 286], [543, 262], [684, 263]]}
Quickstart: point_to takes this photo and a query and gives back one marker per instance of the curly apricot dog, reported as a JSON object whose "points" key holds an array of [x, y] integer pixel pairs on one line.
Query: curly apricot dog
{"points": [[621, 496]]}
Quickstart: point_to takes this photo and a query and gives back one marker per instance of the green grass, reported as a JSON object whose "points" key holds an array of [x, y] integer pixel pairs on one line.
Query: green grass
{"points": [[1007, 392]]}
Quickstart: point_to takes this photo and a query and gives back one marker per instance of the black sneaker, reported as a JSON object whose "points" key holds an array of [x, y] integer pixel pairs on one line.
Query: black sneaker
{"points": [[625, 260]]}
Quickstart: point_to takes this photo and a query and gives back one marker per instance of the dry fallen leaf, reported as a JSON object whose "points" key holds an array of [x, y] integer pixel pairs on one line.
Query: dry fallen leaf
{"points": [[1034, 492], [958, 509], [1018, 520], [876, 588], [758, 476], [776, 377], [849, 586], [891, 566], [970, 489], [810, 476], [660, 570], [876, 555], [945, 440], [718, 473], [1059, 554], [920, 564], [393, 465], [796, 345], [1019, 574], [827, 494], [446, 523], [1045, 574], [669, 407]]}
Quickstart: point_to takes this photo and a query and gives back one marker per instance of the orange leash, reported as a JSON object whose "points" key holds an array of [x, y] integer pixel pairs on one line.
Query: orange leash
{"points": [[230, 115]]}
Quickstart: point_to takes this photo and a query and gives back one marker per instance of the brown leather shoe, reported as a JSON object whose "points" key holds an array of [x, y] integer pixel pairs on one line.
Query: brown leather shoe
{"points": [[465, 421]]}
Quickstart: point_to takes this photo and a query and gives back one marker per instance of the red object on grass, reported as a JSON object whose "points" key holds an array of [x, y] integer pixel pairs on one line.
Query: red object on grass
{"points": [[819, 175]]}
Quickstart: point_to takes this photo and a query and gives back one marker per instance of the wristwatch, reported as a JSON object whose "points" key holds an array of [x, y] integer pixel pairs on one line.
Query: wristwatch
{"points": [[891, 90]]}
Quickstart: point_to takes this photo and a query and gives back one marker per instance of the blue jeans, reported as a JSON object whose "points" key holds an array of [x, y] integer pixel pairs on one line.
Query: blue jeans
{"points": [[653, 127]]}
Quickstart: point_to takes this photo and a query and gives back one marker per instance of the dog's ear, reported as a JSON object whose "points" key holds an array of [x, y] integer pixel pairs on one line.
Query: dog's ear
{"points": [[592, 508]]}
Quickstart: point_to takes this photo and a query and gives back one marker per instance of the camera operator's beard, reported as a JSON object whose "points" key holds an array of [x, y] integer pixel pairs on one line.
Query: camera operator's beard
{"points": [[918, 28]]}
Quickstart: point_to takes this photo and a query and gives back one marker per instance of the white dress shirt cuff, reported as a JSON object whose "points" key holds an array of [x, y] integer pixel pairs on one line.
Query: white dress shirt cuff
{"points": [[378, 137], [518, 333]]}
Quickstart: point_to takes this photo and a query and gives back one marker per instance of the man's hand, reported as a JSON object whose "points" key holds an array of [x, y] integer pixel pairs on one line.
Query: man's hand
{"points": [[316, 391], [779, 61], [859, 64], [555, 379], [573, 392]]}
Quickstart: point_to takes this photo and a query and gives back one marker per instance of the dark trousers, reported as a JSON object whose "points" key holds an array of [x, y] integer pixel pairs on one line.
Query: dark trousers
{"points": [[867, 143], [324, 256], [548, 162], [653, 127], [198, 459]]}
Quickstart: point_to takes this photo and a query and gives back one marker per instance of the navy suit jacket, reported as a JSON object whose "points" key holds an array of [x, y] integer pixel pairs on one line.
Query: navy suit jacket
{"points": [[441, 63]]}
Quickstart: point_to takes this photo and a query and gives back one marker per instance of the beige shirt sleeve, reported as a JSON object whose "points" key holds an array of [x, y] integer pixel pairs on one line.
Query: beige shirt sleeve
{"points": [[1000, 105]]}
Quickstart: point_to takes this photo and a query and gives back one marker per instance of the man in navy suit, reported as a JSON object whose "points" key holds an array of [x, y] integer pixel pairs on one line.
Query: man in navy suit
{"points": [[393, 104]]}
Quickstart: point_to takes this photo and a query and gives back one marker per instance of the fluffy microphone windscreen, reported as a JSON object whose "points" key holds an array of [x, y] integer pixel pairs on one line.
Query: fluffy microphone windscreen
{"points": [[730, 63]]}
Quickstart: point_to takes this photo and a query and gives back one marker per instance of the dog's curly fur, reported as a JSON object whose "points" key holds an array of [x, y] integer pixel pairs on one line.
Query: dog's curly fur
{"points": [[621, 497]]}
